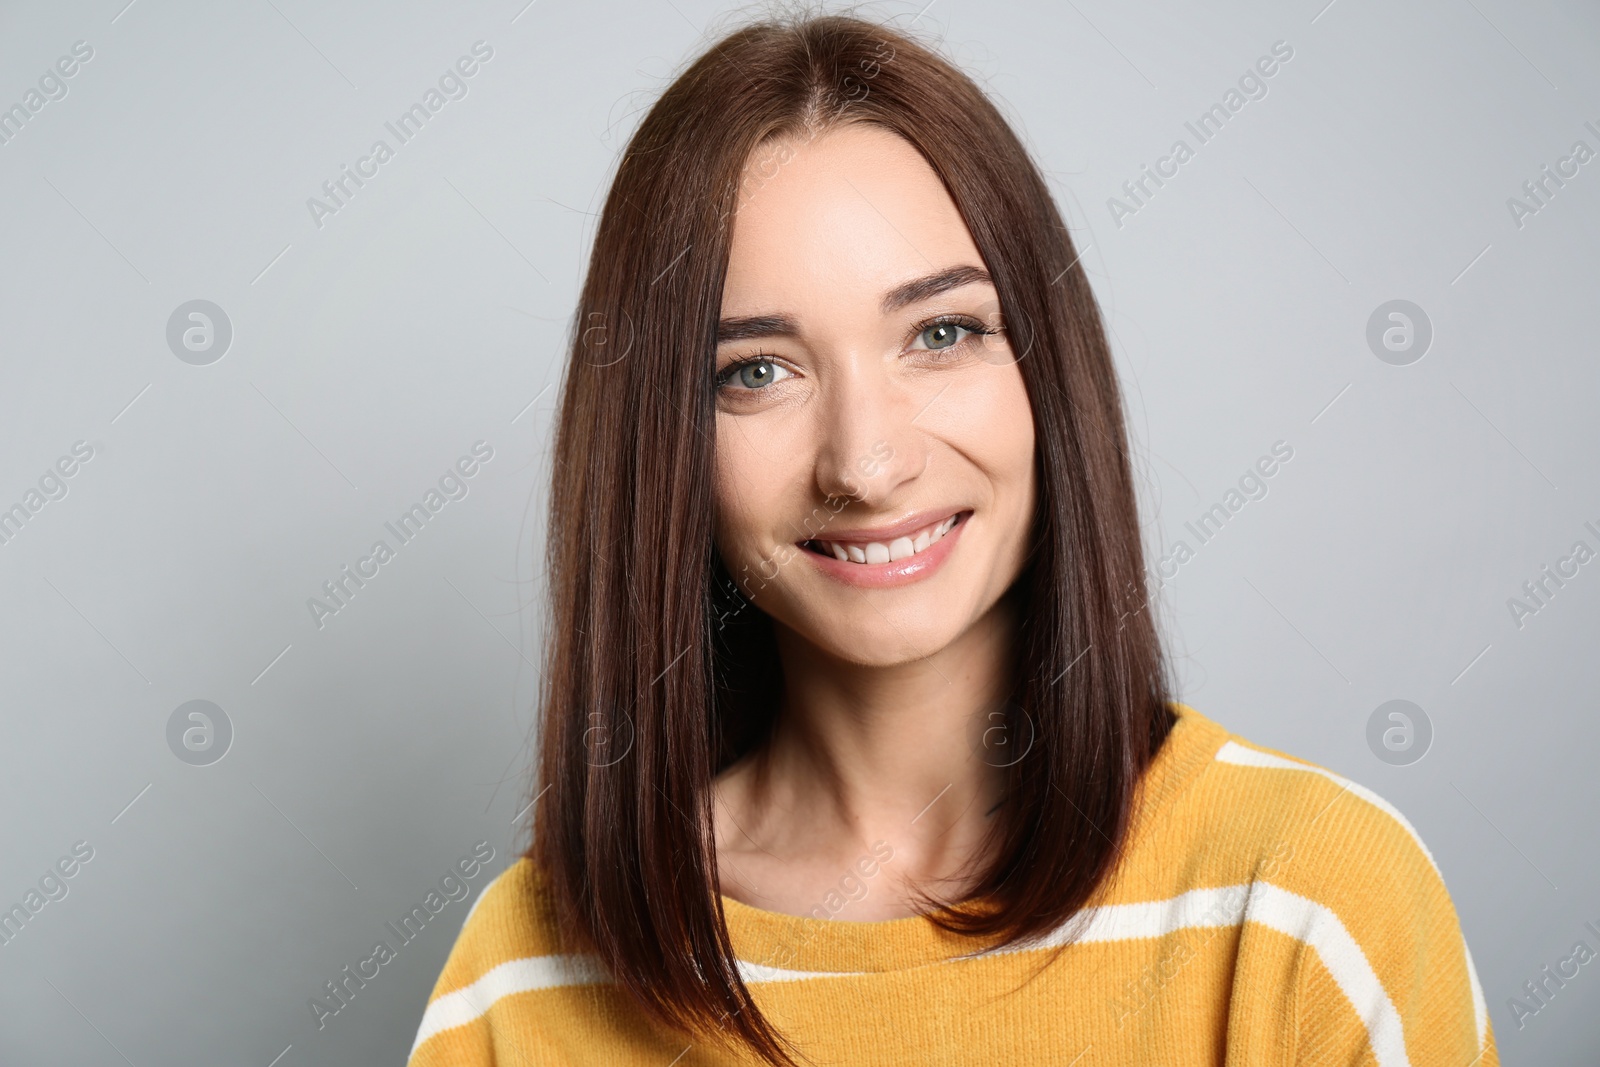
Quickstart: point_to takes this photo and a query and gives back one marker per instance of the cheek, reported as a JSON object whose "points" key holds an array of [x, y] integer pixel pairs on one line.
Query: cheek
{"points": [[995, 424], [1016, 434], [750, 487], [993, 429], [729, 502]]}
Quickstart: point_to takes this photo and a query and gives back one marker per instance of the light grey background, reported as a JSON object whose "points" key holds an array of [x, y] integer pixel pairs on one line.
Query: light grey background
{"points": [[429, 313]]}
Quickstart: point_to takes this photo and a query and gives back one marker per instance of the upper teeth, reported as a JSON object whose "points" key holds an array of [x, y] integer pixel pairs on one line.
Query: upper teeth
{"points": [[899, 548]]}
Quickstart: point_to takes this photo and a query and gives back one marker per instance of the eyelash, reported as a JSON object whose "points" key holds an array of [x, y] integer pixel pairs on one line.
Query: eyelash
{"points": [[966, 322]]}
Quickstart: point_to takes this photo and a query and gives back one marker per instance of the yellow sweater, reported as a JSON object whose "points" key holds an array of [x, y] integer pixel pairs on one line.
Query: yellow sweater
{"points": [[1266, 912]]}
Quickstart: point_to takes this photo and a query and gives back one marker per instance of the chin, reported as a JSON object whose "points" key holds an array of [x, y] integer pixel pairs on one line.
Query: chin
{"points": [[873, 642], [880, 629]]}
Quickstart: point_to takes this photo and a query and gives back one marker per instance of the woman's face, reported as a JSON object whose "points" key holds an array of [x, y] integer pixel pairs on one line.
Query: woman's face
{"points": [[874, 449]]}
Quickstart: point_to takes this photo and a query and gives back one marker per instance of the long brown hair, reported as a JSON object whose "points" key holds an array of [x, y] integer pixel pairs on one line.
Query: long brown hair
{"points": [[646, 693]]}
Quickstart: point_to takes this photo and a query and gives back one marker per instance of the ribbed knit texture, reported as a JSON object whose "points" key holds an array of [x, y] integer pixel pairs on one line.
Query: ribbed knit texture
{"points": [[1266, 911]]}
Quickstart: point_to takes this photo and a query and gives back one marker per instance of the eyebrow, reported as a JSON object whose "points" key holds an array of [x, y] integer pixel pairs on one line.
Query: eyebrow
{"points": [[751, 327]]}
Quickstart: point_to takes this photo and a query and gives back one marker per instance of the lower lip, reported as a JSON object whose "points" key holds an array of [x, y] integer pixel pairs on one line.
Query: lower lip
{"points": [[896, 573]]}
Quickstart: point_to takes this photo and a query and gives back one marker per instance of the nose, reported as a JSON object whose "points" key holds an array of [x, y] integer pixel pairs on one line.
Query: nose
{"points": [[870, 448]]}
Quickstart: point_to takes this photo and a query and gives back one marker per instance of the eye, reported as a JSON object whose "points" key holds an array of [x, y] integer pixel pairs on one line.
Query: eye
{"points": [[751, 374], [945, 333], [941, 335]]}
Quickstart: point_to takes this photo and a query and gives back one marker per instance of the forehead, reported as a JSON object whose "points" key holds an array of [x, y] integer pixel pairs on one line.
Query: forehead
{"points": [[841, 218]]}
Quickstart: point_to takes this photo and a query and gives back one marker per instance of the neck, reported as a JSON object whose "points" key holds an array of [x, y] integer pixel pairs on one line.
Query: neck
{"points": [[863, 754]]}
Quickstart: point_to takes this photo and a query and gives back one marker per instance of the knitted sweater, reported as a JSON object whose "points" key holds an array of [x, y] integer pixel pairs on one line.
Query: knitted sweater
{"points": [[1266, 911]]}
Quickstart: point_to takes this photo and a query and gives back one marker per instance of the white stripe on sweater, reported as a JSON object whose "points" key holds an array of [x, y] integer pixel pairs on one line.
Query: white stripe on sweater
{"points": [[1288, 913], [1310, 922], [1222, 906], [1233, 752], [514, 976], [1291, 914], [1225, 906]]}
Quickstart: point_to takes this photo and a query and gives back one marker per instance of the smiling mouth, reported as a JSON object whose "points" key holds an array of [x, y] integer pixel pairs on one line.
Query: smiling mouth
{"points": [[892, 551]]}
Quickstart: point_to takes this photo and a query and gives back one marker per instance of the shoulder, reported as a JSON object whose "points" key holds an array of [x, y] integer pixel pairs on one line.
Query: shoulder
{"points": [[1335, 868], [505, 911], [509, 945], [1310, 817]]}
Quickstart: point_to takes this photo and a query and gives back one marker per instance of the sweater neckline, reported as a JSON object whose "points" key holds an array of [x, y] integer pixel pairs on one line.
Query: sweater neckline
{"points": [[779, 942]]}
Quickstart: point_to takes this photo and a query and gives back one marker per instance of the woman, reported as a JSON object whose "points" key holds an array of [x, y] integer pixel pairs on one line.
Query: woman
{"points": [[858, 745]]}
